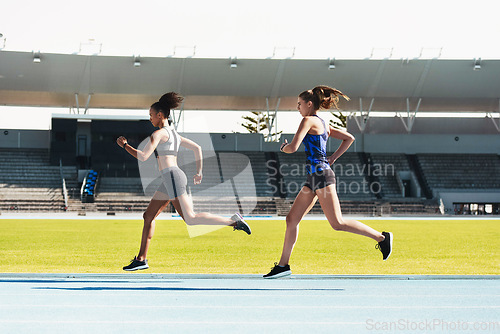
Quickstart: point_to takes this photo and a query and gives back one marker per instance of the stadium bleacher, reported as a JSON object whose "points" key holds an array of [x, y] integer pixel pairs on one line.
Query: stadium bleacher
{"points": [[390, 165], [28, 183], [461, 171]]}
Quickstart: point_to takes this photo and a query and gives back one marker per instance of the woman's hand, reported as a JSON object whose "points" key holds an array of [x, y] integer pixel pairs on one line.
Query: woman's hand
{"points": [[283, 145], [197, 178], [121, 141], [331, 160]]}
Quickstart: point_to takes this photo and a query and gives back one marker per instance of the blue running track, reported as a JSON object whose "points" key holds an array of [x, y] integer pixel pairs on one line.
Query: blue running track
{"points": [[156, 303]]}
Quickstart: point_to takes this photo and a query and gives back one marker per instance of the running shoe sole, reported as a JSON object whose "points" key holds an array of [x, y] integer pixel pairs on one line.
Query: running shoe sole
{"points": [[136, 265], [282, 274], [391, 240], [137, 268]]}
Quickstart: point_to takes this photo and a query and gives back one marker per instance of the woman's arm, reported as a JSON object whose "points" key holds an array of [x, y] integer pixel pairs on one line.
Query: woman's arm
{"points": [[146, 152], [198, 155], [347, 140], [304, 127]]}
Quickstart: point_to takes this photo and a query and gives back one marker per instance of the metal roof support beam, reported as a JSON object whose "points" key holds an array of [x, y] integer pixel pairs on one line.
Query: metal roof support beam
{"points": [[362, 120], [172, 116], [496, 122], [181, 76], [77, 104], [87, 105], [272, 121], [372, 91], [278, 79], [410, 115], [423, 77], [490, 115], [275, 92], [76, 110]]}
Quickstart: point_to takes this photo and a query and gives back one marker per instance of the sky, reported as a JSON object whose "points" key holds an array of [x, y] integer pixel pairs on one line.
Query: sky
{"points": [[220, 28], [254, 29]]}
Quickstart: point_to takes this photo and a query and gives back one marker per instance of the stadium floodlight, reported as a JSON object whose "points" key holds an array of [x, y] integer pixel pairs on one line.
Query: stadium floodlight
{"points": [[331, 65], [430, 53], [36, 57], [283, 52], [137, 61], [184, 51], [381, 53], [234, 64], [90, 48], [477, 64]]}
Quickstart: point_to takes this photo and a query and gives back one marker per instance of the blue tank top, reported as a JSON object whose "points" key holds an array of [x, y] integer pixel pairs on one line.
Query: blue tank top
{"points": [[315, 146]]}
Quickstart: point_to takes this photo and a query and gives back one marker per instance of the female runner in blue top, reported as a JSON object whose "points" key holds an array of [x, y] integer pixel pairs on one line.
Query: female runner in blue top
{"points": [[320, 183], [165, 142]]}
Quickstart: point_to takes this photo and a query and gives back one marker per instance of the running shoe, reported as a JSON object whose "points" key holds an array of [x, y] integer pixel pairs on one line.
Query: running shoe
{"points": [[240, 224], [277, 271], [136, 265], [385, 246]]}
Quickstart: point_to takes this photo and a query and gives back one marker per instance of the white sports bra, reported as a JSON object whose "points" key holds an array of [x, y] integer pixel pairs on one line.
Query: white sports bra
{"points": [[171, 146]]}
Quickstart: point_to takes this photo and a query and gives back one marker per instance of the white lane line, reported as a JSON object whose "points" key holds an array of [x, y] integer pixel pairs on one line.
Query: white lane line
{"points": [[418, 307], [491, 296], [149, 322]]}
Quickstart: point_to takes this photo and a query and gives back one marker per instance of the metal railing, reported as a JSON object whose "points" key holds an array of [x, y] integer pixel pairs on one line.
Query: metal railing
{"points": [[65, 190]]}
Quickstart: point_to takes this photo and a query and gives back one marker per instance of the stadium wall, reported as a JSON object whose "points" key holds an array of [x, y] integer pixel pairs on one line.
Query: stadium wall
{"points": [[450, 198], [381, 135], [420, 143], [15, 138], [426, 135], [370, 143]]}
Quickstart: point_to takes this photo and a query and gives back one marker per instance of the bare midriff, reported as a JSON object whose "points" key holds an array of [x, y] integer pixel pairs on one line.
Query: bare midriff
{"points": [[167, 161]]}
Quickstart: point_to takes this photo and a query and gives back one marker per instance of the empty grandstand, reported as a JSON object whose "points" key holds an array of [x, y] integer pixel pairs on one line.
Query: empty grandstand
{"points": [[403, 164], [30, 184]]}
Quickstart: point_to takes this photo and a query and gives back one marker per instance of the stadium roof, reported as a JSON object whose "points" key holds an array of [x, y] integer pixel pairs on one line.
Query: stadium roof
{"points": [[213, 84]]}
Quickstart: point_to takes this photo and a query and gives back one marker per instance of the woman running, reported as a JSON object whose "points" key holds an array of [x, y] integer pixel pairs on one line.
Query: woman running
{"points": [[320, 182], [165, 143]]}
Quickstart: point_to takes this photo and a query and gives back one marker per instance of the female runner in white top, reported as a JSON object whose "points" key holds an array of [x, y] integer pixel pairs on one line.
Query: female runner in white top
{"points": [[165, 142]]}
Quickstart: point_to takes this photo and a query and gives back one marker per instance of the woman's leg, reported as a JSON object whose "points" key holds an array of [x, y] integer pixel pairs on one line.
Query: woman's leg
{"points": [[155, 207], [177, 206], [303, 203], [203, 218], [331, 207]]}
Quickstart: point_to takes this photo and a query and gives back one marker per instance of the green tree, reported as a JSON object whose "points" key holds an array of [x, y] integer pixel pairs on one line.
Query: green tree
{"points": [[339, 121], [258, 123]]}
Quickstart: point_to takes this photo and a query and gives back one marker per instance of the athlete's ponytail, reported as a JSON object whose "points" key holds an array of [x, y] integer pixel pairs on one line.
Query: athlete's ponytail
{"points": [[323, 97], [167, 102]]}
